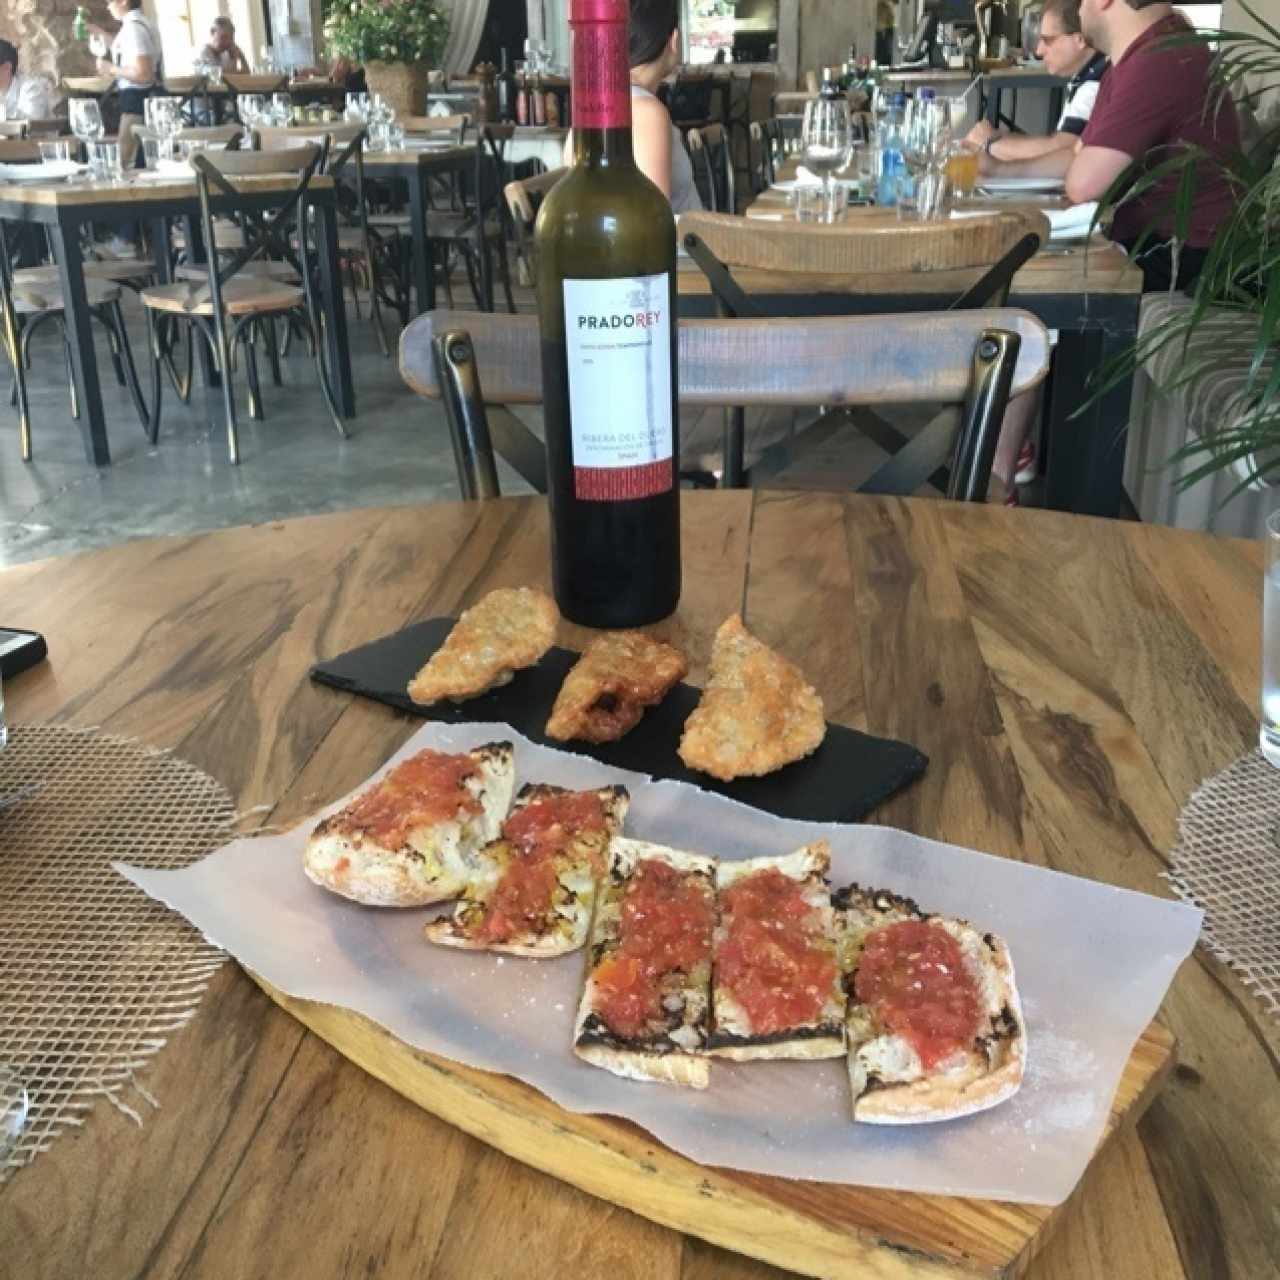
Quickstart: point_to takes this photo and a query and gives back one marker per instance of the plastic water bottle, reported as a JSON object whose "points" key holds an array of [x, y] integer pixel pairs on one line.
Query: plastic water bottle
{"points": [[893, 164]]}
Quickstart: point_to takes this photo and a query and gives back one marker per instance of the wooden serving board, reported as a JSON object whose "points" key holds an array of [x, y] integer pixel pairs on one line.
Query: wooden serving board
{"points": [[816, 1228]]}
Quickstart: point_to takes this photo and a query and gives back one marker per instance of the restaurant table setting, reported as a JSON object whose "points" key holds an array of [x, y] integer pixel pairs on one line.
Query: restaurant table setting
{"points": [[784, 1119]]}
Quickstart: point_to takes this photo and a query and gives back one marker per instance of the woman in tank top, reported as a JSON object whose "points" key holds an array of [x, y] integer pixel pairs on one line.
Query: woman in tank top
{"points": [[658, 145]]}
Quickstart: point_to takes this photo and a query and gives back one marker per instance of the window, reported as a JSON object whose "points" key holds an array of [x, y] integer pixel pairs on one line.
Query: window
{"points": [[730, 30]]}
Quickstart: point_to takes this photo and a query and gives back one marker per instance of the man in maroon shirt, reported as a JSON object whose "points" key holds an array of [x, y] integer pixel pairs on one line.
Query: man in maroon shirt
{"points": [[1154, 98]]}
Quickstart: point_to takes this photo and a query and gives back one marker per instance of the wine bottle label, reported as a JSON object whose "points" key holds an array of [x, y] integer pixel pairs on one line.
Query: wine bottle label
{"points": [[601, 78], [618, 340]]}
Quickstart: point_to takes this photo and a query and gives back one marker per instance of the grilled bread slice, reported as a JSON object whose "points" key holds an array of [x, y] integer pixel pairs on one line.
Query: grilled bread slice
{"points": [[646, 1005], [935, 1026], [510, 628], [756, 714], [776, 986], [533, 889], [410, 838]]}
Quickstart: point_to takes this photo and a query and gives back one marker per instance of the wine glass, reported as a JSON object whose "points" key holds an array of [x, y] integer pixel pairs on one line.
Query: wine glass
{"points": [[86, 120], [825, 138], [250, 107], [927, 138]]}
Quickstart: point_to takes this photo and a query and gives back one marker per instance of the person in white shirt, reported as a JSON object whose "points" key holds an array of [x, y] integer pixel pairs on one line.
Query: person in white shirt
{"points": [[23, 97], [135, 64]]}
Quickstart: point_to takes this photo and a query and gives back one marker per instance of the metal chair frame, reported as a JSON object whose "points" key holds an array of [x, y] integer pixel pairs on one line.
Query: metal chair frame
{"points": [[265, 236], [913, 461], [973, 435]]}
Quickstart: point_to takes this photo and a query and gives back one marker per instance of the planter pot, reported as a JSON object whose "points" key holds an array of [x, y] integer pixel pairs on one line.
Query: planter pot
{"points": [[402, 84]]}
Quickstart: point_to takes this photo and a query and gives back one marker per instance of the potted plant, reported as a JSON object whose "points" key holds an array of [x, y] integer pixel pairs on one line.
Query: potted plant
{"points": [[396, 41], [1238, 290]]}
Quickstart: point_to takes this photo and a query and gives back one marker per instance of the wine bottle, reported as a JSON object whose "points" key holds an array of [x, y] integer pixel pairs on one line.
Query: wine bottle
{"points": [[506, 88], [606, 250]]}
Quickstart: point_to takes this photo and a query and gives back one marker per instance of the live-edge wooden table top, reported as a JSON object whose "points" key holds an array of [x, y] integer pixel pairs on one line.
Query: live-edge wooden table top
{"points": [[135, 190], [1071, 679]]}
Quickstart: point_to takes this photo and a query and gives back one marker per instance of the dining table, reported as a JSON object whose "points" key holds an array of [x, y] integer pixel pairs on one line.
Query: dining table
{"points": [[416, 164], [1072, 680], [1087, 292], [65, 209]]}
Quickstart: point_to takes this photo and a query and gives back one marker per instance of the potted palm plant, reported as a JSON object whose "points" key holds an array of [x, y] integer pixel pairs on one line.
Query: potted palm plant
{"points": [[397, 42], [1235, 300]]}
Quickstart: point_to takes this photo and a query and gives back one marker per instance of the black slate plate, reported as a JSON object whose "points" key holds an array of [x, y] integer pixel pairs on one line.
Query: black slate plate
{"points": [[846, 777]]}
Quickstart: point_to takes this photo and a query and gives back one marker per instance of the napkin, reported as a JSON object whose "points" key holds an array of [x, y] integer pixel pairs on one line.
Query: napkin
{"points": [[1072, 223]]}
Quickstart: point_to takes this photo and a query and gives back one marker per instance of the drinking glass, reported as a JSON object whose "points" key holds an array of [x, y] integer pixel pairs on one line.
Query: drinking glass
{"points": [[866, 167], [826, 137], [54, 150], [86, 120], [281, 113], [104, 161], [962, 169], [928, 141], [395, 137], [214, 74], [151, 152], [267, 60], [1269, 733], [14, 1105]]}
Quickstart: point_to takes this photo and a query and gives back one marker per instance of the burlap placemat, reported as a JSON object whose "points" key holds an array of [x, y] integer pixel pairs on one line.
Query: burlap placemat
{"points": [[94, 975], [1227, 862]]}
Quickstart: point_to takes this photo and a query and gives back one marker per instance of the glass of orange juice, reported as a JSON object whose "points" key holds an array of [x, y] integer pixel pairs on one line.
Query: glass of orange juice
{"points": [[962, 169]]}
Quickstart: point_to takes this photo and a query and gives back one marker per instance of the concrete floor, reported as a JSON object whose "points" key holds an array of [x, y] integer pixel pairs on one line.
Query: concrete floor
{"points": [[293, 463]]}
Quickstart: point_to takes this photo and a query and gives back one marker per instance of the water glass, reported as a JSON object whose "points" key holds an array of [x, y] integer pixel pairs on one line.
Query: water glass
{"points": [[54, 150], [151, 152], [809, 203], [104, 161], [826, 136], [1269, 733], [904, 198], [395, 137], [866, 168]]}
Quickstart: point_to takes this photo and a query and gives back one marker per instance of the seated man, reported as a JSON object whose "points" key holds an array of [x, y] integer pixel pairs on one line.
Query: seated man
{"points": [[1067, 53], [1154, 99], [222, 50], [23, 97]]}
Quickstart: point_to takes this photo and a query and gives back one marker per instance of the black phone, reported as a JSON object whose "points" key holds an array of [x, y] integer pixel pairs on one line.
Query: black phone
{"points": [[20, 650]]}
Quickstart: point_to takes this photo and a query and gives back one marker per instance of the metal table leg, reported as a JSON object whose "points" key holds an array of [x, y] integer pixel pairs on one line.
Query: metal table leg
{"points": [[84, 362], [335, 312]]}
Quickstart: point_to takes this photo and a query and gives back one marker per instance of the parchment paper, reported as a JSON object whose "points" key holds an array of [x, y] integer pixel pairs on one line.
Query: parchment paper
{"points": [[1093, 963]]}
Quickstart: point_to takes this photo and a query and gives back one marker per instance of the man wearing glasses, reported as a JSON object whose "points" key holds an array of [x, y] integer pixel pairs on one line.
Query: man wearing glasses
{"points": [[1065, 52]]}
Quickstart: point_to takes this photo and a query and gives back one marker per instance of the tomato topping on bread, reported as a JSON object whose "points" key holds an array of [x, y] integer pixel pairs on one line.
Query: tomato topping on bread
{"points": [[645, 1006], [407, 840]]}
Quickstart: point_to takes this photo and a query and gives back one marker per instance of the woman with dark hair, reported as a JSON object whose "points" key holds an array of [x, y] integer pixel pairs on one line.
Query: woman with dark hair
{"points": [[657, 144]]}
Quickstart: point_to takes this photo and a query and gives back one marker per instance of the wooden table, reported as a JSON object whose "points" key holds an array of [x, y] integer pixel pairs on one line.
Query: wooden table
{"points": [[64, 208], [1090, 293], [417, 166], [1071, 679]]}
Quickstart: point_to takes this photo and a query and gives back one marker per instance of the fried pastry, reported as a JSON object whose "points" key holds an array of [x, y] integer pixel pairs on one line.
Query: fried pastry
{"points": [[756, 714], [509, 629], [620, 674]]}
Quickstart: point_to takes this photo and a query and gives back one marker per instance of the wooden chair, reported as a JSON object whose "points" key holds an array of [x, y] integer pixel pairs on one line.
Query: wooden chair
{"points": [[441, 128], [228, 305], [767, 153], [478, 228], [973, 359], [965, 263], [31, 297], [524, 197], [710, 154]]}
